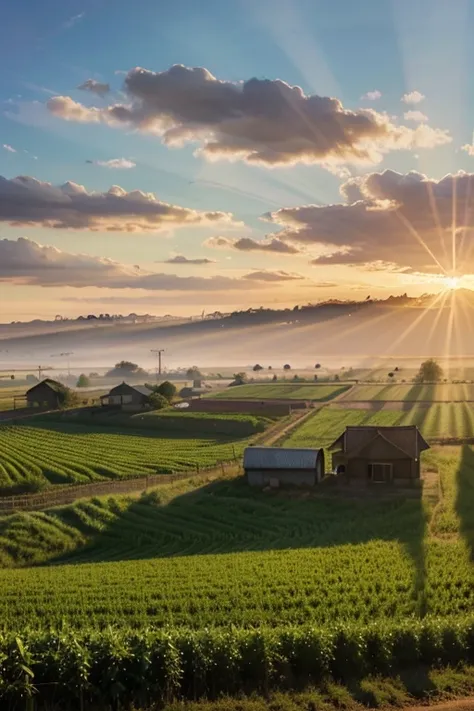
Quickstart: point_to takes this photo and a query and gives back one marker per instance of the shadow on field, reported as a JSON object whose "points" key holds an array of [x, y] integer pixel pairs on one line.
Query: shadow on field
{"points": [[227, 516], [464, 503]]}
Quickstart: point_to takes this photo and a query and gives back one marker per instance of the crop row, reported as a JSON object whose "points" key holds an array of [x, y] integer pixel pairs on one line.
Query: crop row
{"points": [[87, 669], [32, 457]]}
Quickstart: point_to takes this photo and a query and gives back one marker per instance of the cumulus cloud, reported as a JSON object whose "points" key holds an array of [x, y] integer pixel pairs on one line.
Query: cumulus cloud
{"points": [[415, 116], [9, 148], [116, 163], [389, 220], [181, 259], [26, 262], [372, 95], [27, 201], [469, 148], [413, 97], [247, 244], [95, 87], [262, 121]]}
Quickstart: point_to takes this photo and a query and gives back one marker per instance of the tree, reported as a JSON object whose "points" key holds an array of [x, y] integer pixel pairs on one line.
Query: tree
{"points": [[315, 376], [124, 368], [193, 373], [257, 367], [317, 366], [167, 389], [239, 379], [390, 375], [287, 366], [336, 378], [430, 372], [67, 397], [158, 401], [274, 377], [83, 381]]}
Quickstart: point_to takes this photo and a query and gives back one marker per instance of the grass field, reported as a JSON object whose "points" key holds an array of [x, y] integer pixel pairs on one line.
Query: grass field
{"points": [[228, 588], [444, 392], [282, 391], [223, 554], [435, 421], [32, 457]]}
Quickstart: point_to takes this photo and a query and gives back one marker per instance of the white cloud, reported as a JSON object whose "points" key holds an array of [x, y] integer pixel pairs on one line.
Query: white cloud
{"points": [[469, 148], [181, 259], [415, 116], [414, 97], [372, 95], [262, 121], [73, 21], [9, 148], [27, 201], [117, 163]]}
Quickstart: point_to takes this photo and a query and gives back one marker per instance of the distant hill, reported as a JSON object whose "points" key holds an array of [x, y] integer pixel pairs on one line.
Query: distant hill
{"points": [[399, 326]]}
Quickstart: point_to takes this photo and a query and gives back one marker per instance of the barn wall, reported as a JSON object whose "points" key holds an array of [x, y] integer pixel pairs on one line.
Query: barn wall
{"points": [[403, 469], [286, 477]]}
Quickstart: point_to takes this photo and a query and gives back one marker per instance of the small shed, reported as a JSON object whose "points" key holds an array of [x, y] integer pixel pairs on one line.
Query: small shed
{"points": [[46, 394], [125, 394], [276, 466]]}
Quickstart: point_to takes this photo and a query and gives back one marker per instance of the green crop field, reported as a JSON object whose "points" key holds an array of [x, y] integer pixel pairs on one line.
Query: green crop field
{"points": [[435, 421], [198, 589], [35, 456], [444, 392], [282, 391]]}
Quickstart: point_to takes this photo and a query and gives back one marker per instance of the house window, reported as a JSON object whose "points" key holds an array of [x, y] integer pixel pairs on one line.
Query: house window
{"points": [[379, 472]]}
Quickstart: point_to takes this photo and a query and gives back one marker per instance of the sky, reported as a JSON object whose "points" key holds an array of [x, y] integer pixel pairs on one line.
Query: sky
{"points": [[173, 157]]}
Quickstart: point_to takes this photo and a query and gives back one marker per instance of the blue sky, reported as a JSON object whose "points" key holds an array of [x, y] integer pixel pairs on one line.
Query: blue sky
{"points": [[334, 48]]}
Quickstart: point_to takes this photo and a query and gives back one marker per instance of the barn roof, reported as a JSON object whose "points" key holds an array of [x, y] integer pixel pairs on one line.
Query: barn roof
{"points": [[280, 458], [52, 384], [405, 437], [142, 389]]}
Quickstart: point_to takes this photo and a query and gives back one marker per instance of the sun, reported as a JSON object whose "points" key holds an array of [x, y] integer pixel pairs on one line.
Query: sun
{"points": [[452, 283]]}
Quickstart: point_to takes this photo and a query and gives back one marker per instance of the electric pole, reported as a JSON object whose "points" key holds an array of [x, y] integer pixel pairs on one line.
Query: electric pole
{"points": [[158, 352], [68, 356]]}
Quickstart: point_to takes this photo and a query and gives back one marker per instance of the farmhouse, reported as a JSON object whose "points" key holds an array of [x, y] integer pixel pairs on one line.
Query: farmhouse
{"points": [[379, 455], [129, 395], [275, 466], [45, 394]]}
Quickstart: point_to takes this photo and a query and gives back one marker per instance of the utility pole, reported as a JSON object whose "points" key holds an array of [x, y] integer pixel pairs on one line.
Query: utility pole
{"points": [[68, 356], [158, 352], [41, 369]]}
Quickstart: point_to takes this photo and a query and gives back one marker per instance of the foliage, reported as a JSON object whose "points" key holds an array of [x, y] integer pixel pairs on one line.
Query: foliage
{"points": [[126, 368], [430, 372], [257, 367], [193, 373], [239, 379], [158, 401], [83, 381], [113, 668], [318, 365], [167, 389], [66, 396], [287, 366], [59, 453]]}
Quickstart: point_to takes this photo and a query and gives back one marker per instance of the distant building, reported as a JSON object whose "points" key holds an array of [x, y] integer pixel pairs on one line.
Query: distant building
{"points": [[276, 466], [379, 455], [45, 394], [130, 395]]}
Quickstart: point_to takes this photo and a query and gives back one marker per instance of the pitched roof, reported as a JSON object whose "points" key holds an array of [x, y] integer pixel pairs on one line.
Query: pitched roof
{"points": [[280, 458], [142, 389], [52, 384], [405, 437]]}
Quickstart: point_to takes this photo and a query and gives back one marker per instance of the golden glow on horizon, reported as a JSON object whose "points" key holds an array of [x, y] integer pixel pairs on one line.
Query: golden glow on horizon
{"points": [[452, 283]]}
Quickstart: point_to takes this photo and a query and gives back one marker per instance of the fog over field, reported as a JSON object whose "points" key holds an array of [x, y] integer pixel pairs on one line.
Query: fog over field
{"points": [[347, 333]]}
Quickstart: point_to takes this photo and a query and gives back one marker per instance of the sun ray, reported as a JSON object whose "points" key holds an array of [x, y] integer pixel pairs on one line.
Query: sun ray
{"points": [[414, 323], [415, 234]]}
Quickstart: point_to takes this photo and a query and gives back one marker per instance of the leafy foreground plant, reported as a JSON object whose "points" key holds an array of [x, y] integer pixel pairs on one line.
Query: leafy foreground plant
{"points": [[120, 668]]}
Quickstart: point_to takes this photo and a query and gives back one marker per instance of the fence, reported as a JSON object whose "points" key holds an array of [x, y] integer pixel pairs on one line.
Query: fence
{"points": [[62, 495]]}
